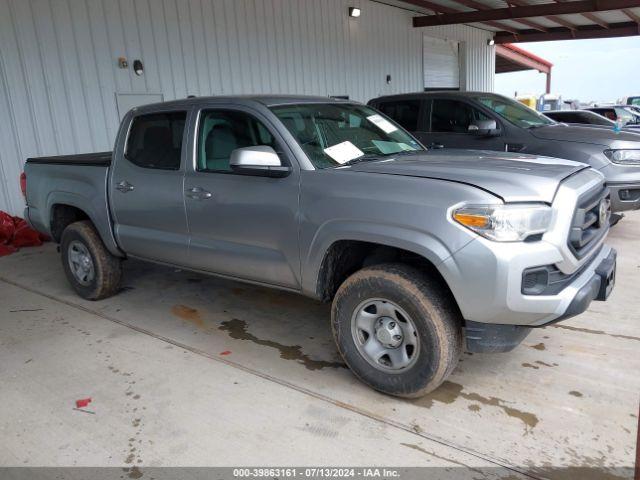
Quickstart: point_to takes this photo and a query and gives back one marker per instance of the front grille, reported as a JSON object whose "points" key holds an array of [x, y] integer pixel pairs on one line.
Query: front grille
{"points": [[588, 225]]}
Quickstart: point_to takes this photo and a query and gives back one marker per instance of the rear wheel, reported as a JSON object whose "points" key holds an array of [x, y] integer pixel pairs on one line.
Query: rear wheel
{"points": [[93, 272], [399, 331]]}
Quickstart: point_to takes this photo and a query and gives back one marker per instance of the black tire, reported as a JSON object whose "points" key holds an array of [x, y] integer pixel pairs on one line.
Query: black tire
{"points": [[106, 268], [432, 310]]}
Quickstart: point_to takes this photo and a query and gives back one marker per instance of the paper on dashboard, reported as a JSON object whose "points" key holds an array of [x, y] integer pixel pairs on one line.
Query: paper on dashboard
{"points": [[343, 152]]}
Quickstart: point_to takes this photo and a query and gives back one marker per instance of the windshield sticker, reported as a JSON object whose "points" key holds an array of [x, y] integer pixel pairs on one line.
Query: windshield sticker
{"points": [[344, 152], [382, 123], [407, 148], [387, 148]]}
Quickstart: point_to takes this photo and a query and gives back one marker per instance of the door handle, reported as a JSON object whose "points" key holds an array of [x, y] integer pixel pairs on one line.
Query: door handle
{"points": [[435, 145], [124, 186], [198, 193]]}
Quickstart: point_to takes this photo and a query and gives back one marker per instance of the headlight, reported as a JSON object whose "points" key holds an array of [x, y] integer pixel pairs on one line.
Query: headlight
{"points": [[624, 157], [505, 223]]}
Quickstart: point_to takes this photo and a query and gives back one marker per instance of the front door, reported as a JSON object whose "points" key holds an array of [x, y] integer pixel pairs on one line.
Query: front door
{"points": [[448, 127], [242, 226], [146, 187]]}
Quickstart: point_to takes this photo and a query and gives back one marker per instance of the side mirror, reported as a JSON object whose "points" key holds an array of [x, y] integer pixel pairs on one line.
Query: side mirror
{"points": [[487, 128], [259, 161]]}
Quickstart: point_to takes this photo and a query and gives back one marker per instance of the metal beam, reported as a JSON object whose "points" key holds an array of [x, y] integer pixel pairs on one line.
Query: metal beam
{"points": [[590, 16], [553, 18], [539, 10], [482, 6], [631, 15], [627, 29], [438, 9]]}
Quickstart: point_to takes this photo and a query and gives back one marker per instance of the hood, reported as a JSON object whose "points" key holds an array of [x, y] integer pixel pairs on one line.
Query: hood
{"points": [[512, 177], [588, 134]]}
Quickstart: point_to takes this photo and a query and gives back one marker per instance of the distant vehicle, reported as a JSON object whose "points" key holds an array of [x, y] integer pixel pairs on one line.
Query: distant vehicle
{"points": [[550, 102], [634, 100], [635, 108], [418, 250], [580, 117], [628, 115], [486, 121]]}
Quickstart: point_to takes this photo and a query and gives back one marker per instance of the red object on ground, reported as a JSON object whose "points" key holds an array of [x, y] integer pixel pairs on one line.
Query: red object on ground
{"points": [[15, 233], [83, 402], [226, 352]]}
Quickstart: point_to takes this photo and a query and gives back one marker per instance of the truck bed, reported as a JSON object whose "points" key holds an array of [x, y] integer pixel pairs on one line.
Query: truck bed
{"points": [[100, 159], [79, 181]]}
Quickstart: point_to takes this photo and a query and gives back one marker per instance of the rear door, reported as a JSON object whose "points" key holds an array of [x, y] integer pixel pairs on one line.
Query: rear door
{"points": [[241, 226], [408, 113], [146, 188], [449, 121]]}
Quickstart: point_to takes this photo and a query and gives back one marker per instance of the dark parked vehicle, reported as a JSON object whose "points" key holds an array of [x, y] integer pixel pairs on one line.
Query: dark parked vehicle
{"points": [[486, 121], [628, 115], [580, 117]]}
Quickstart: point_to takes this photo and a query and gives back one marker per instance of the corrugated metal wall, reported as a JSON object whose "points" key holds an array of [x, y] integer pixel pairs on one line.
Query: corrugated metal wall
{"points": [[59, 74]]}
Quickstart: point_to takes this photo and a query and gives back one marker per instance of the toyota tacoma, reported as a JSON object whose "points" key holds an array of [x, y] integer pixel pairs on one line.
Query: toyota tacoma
{"points": [[419, 251]]}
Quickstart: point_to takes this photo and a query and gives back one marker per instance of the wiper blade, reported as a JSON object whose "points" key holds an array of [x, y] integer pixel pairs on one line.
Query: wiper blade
{"points": [[364, 158], [407, 152]]}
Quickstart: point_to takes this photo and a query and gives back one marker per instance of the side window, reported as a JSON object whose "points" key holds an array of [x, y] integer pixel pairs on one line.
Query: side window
{"points": [[405, 112], [453, 116], [222, 131], [155, 140]]}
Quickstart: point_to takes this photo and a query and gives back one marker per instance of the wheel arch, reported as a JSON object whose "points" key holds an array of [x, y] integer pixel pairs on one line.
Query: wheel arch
{"points": [[65, 208], [343, 248]]}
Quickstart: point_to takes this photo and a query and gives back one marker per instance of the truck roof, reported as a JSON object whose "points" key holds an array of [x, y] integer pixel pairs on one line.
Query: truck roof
{"points": [[439, 93], [267, 100]]}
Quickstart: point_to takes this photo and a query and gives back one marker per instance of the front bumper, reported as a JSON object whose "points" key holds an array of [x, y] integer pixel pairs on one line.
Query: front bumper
{"points": [[486, 337], [624, 196], [624, 183]]}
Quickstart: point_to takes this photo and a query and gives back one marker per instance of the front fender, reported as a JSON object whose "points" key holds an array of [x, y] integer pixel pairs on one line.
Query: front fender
{"points": [[421, 243]]}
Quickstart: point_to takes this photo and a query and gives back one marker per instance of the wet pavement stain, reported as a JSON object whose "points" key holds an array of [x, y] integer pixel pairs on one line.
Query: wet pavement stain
{"points": [[449, 392], [597, 332], [135, 472], [575, 393], [539, 346], [238, 329], [188, 314], [528, 365], [474, 407]]}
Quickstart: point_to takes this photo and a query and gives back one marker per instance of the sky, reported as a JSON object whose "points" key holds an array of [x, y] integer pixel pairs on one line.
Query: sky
{"points": [[602, 70]]}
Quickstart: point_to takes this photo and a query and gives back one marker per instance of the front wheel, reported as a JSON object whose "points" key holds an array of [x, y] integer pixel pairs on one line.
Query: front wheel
{"points": [[399, 331], [93, 272]]}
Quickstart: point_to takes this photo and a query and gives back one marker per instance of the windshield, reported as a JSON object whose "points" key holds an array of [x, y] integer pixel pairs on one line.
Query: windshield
{"points": [[333, 134], [633, 101], [515, 112], [595, 119]]}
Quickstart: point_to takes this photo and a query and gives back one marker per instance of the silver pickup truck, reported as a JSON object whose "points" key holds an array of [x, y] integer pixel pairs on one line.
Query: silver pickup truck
{"points": [[419, 251]]}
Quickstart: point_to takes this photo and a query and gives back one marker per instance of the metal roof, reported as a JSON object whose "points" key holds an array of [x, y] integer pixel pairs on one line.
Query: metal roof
{"points": [[534, 20]]}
